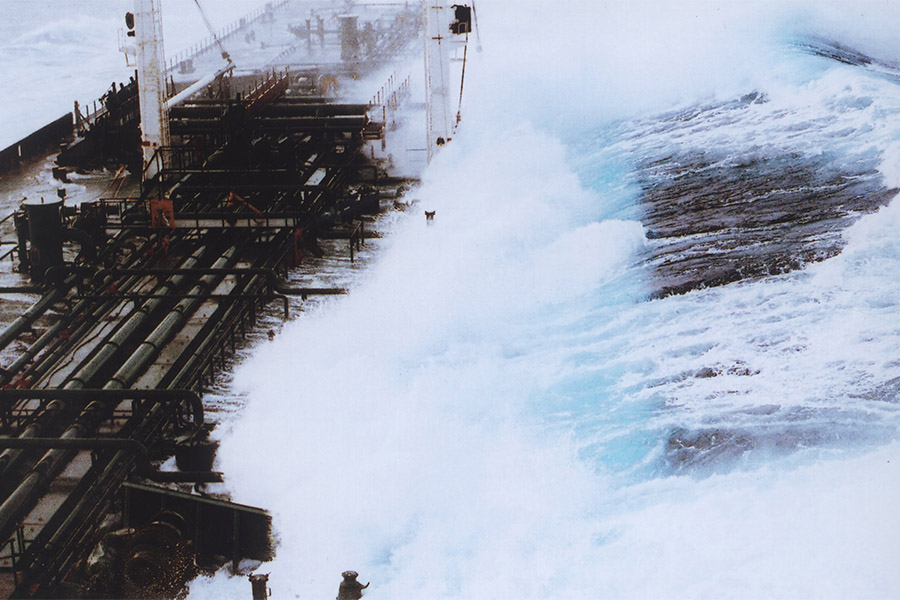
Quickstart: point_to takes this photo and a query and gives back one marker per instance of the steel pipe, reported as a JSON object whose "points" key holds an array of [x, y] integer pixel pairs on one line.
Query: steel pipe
{"points": [[144, 354], [24, 321], [111, 347]]}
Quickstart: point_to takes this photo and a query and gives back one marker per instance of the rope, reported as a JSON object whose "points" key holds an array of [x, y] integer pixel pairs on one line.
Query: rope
{"points": [[211, 31], [475, 26], [462, 81], [444, 89]]}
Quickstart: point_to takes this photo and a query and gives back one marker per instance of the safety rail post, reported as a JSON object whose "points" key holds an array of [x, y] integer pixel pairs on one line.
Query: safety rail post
{"points": [[11, 542], [357, 238], [20, 539]]}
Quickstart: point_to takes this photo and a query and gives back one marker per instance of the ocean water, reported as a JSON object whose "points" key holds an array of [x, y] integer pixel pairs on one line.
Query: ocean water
{"points": [[502, 408], [54, 53]]}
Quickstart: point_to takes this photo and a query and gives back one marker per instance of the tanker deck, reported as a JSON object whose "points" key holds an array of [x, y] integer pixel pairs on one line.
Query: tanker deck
{"points": [[102, 376]]}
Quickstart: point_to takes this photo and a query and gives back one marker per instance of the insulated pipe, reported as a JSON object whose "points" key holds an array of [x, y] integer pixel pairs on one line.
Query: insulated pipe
{"points": [[123, 333], [9, 459], [193, 88], [29, 316], [150, 347]]}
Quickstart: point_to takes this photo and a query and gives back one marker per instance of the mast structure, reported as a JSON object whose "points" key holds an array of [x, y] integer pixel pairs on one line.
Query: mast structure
{"points": [[447, 30], [151, 81], [437, 74]]}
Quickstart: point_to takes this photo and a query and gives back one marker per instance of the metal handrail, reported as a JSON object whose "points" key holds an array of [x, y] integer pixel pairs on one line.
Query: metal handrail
{"points": [[86, 395]]}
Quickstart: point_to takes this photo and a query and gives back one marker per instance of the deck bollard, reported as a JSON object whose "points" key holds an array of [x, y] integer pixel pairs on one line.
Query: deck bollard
{"points": [[259, 585], [46, 235]]}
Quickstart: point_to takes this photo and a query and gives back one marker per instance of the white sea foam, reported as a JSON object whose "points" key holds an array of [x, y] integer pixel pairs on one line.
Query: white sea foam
{"points": [[487, 416], [458, 422]]}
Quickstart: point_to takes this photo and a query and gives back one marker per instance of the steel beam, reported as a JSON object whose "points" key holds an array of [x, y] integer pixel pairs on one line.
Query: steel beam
{"points": [[138, 450], [83, 396]]}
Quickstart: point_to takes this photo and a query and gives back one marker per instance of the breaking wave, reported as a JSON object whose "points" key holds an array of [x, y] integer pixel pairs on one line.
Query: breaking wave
{"points": [[512, 403]]}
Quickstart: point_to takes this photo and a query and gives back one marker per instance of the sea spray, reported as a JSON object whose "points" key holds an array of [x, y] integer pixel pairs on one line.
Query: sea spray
{"points": [[499, 410]]}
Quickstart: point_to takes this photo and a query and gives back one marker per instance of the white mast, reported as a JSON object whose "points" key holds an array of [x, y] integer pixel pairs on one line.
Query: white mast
{"points": [[438, 113], [151, 80], [447, 30]]}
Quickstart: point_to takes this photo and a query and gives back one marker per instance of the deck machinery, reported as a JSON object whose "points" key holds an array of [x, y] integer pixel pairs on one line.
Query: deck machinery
{"points": [[101, 377]]}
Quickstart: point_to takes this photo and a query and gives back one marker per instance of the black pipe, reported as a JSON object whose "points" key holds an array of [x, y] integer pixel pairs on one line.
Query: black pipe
{"points": [[124, 332], [9, 460], [168, 326], [211, 336], [309, 291], [25, 357], [95, 312], [339, 124], [204, 187]]}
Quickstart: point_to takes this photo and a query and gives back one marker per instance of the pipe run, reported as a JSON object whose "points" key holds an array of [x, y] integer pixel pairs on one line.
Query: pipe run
{"points": [[285, 302], [147, 350], [29, 316], [269, 274], [195, 87], [35, 483]]}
